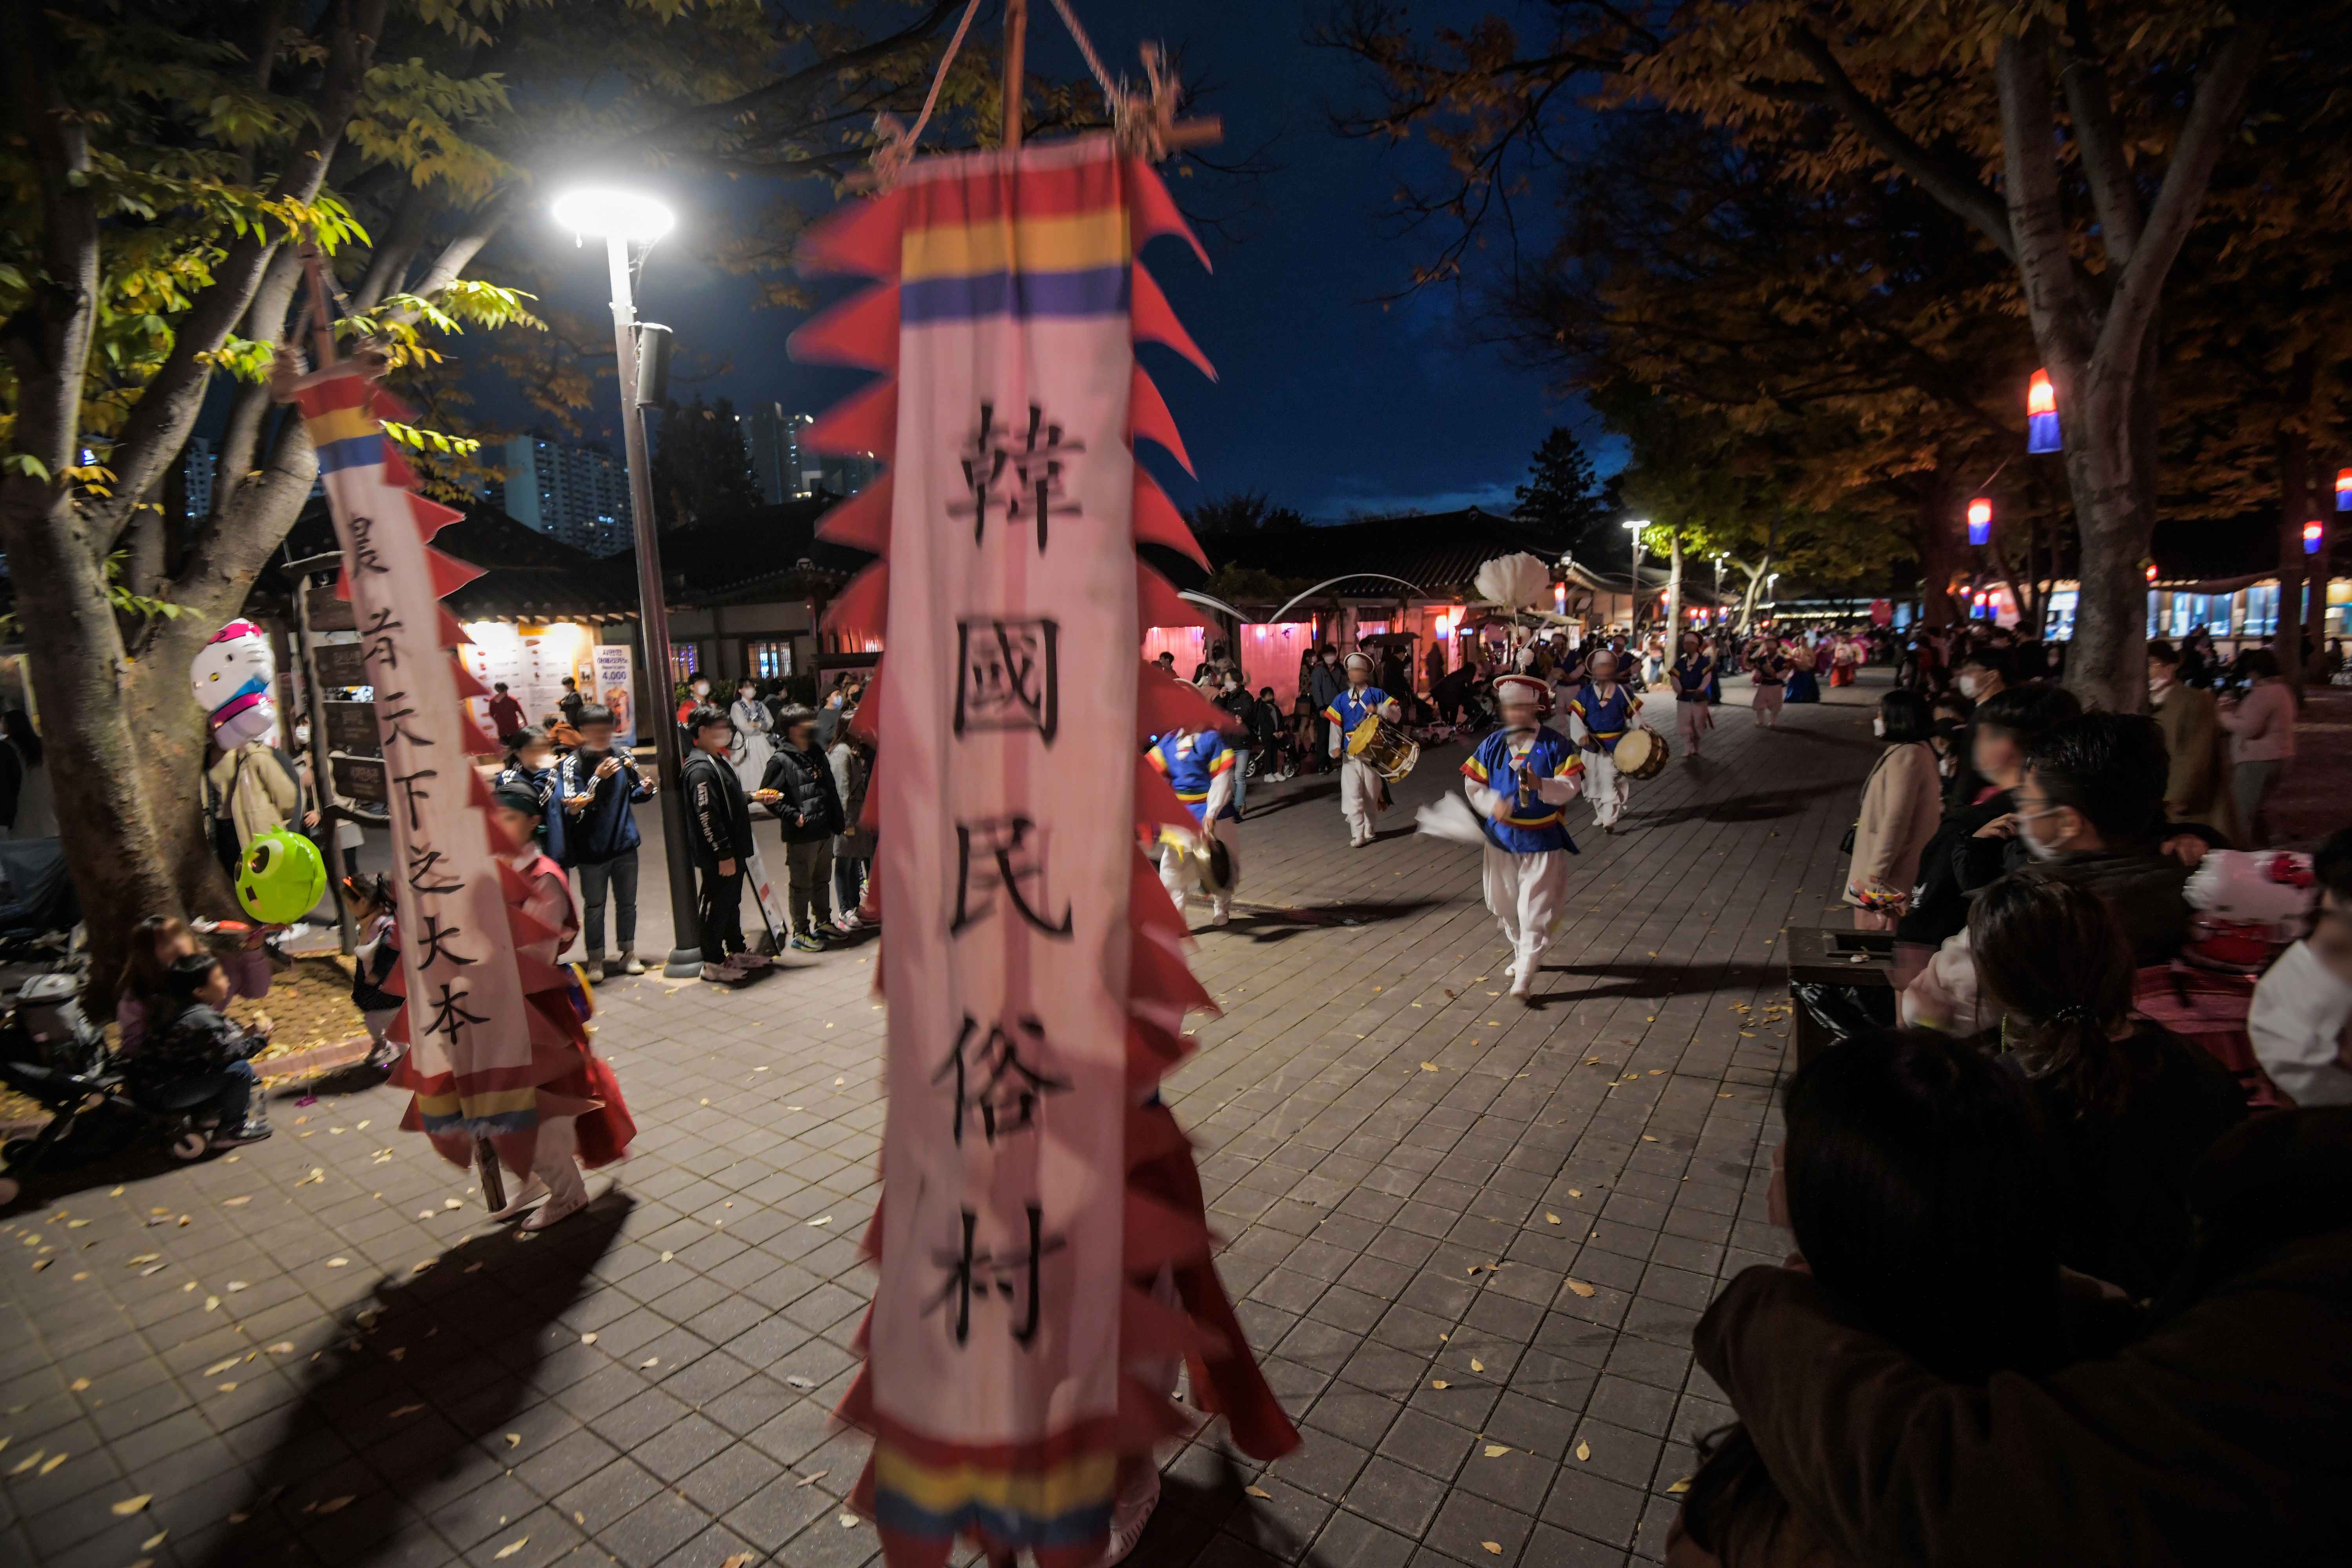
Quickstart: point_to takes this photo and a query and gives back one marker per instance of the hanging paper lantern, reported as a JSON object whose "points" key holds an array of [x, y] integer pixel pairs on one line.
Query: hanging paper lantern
{"points": [[2151, 572], [2344, 489], [2314, 534], [282, 877], [2040, 413], [1980, 521]]}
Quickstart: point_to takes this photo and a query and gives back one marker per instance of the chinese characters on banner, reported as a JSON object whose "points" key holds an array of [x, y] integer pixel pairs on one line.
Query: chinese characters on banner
{"points": [[472, 1061]]}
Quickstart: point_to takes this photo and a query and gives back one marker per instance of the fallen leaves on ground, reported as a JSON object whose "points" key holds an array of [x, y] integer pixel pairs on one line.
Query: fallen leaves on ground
{"points": [[1477, 1365], [130, 1505], [1580, 1287], [1680, 1485], [1495, 1547], [1259, 1491], [1439, 1383], [1496, 1451], [512, 1547], [1584, 1450], [812, 1480]]}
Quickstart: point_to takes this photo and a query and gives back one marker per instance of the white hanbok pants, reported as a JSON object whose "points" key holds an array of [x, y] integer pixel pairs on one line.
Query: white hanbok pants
{"points": [[1359, 796], [1177, 878], [1527, 894], [1604, 786]]}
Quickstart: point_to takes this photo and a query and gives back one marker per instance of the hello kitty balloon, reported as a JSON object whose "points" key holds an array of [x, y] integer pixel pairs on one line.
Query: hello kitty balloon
{"points": [[233, 680]]}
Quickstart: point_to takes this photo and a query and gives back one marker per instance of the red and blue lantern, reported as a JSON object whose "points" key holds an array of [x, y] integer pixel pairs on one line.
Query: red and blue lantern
{"points": [[2315, 536], [1979, 523], [2040, 413], [2344, 489]]}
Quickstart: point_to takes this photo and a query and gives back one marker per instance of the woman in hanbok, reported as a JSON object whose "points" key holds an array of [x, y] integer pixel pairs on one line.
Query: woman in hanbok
{"points": [[1803, 685]]}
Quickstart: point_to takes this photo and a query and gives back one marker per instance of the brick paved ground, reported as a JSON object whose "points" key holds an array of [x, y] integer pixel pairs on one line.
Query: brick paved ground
{"points": [[1455, 1227]]}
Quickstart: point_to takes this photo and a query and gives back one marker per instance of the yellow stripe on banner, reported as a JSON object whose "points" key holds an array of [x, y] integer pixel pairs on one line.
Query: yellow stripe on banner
{"points": [[342, 425], [1085, 1481], [500, 1101], [1070, 244]]}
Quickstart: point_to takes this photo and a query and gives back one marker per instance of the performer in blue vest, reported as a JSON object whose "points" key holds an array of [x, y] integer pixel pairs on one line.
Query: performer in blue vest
{"points": [[1604, 711], [1363, 795], [1202, 769], [1519, 782]]}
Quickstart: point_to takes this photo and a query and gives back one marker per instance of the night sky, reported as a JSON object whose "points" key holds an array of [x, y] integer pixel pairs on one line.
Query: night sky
{"points": [[1327, 400]]}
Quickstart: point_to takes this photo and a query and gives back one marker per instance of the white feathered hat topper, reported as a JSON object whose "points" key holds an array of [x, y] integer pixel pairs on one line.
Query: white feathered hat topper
{"points": [[1519, 582]]}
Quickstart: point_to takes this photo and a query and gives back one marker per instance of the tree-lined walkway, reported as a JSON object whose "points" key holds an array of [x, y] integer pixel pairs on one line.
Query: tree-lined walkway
{"points": [[1469, 1241]]}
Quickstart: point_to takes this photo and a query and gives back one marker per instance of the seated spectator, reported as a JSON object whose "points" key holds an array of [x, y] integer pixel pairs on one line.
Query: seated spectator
{"points": [[190, 1044], [156, 944], [1962, 856], [2214, 1434], [2302, 1015], [2089, 811], [2131, 1105], [1915, 1177]]}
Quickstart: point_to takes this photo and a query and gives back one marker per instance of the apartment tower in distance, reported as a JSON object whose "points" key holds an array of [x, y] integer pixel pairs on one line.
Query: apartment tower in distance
{"points": [[577, 494]]}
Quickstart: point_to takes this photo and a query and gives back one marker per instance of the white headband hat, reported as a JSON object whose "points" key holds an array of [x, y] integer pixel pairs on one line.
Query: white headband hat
{"points": [[1355, 658], [1519, 688]]}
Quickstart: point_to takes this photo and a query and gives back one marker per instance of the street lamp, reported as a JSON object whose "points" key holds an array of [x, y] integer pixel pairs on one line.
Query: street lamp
{"points": [[618, 217], [1633, 598]]}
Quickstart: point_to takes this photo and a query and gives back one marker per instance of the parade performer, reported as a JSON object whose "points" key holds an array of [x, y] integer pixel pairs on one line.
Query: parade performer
{"points": [[1202, 769], [1694, 682], [583, 1119], [1363, 794], [1768, 668], [1519, 781], [1604, 711]]}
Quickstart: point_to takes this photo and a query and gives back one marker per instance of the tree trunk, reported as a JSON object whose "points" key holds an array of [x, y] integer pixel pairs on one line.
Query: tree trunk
{"points": [[1674, 590], [2294, 490], [112, 846], [1939, 556]]}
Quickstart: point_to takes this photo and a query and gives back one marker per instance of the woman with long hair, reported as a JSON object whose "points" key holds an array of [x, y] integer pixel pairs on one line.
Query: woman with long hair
{"points": [[1915, 1177], [1902, 802], [2262, 740], [2132, 1105]]}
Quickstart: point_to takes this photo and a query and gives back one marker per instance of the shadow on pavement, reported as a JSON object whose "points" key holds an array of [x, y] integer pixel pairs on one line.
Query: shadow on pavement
{"points": [[1740, 809], [407, 1412], [1653, 980], [1264, 923]]}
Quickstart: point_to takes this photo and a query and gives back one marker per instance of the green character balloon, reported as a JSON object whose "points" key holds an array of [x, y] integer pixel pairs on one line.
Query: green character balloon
{"points": [[282, 877]]}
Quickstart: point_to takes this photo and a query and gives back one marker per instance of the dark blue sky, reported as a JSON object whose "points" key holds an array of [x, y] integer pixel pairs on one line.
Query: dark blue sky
{"points": [[1328, 401]]}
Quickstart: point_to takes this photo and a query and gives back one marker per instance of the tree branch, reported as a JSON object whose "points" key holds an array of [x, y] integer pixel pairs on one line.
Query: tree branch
{"points": [[159, 423], [1957, 188], [2037, 215], [2213, 115], [2099, 139]]}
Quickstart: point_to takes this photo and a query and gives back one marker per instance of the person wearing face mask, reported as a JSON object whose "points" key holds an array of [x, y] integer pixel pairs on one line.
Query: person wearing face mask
{"points": [[1962, 857], [2302, 1017], [1982, 673], [697, 695], [1604, 711], [2089, 811], [1901, 806], [2197, 786]]}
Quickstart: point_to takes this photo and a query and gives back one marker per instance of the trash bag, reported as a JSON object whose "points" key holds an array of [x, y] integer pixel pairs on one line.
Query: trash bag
{"points": [[1842, 1012]]}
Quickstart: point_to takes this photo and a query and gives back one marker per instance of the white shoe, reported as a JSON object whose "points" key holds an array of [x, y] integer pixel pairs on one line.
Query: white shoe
{"points": [[1129, 1518], [534, 1192], [1221, 917], [558, 1209]]}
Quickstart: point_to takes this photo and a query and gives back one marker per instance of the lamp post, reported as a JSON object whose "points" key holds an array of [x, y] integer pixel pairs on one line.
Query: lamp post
{"points": [[1634, 584], [617, 218]]}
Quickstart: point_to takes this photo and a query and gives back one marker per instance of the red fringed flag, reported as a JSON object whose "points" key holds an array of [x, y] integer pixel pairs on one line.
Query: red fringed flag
{"points": [[488, 1027], [1045, 1259]]}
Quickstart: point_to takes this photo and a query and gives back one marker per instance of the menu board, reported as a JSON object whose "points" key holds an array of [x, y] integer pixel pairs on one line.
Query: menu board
{"points": [[532, 659]]}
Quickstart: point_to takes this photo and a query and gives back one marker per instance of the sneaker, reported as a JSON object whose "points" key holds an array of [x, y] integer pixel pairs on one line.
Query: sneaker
{"points": [[595, 967], [632, 965], [845, 925], [803, 941], [556, 1210], [250, 1133], [1221, 917], [749, 961], [1129, 1514], [720, 974]]}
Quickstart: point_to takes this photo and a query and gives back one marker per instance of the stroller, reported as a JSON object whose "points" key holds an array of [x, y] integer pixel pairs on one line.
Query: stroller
{"points": [[51, 1053]]}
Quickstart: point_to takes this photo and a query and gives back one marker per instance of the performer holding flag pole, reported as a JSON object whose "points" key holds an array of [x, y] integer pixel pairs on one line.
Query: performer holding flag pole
{"points": [[1519, 782], [1362, 794]]}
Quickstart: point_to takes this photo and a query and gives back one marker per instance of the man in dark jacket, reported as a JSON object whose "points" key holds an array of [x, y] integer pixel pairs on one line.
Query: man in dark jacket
{"points": [[808, 807], [718, 831], [2216, 1435], [1960, 858], [598, 784]]}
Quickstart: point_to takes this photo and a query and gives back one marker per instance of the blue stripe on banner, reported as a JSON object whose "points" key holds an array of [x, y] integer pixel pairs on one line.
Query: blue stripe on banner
{"points": [[897, 1512], [352, 452], [1095, 291]]}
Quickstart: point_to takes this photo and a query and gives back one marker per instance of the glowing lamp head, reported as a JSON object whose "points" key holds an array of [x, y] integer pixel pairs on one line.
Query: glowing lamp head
{"points": [[2151, 571], [2314, 534], [604, 213], [2041, 397]]}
